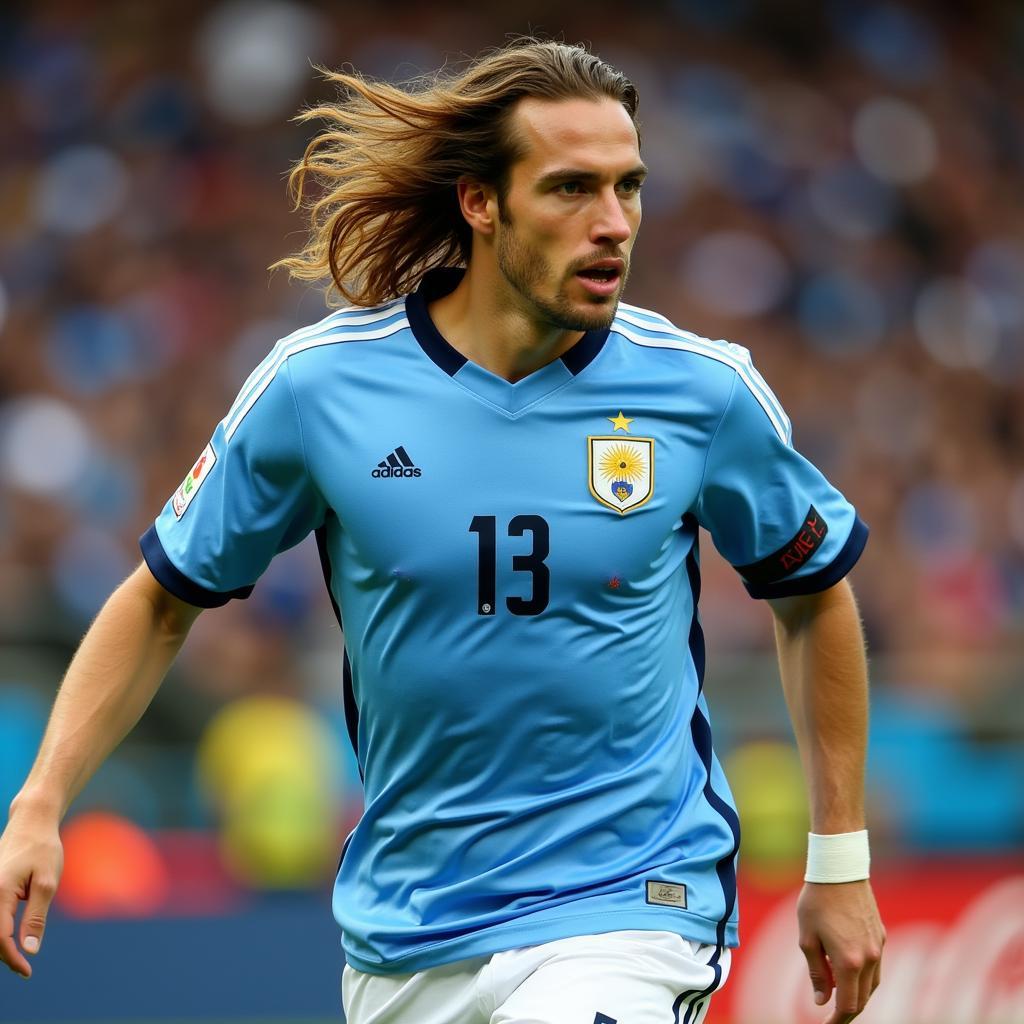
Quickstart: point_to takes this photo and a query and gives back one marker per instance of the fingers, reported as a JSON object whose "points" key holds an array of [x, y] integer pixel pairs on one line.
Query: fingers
{"points": [[33, 921], [870, 976], [869, 980], [819, 969], [848, 1003], [856, 978], [9, 952]]}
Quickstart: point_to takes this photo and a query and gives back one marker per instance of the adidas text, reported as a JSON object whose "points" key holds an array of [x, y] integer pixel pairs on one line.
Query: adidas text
{"points": [[398, 471]]}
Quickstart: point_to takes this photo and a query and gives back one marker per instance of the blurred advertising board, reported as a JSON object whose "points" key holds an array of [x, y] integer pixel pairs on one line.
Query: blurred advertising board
{"points": [[955, 955], [954, 952]]}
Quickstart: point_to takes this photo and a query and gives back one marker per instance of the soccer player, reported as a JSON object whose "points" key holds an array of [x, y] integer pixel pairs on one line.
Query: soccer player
{"points": [[506, 468]]}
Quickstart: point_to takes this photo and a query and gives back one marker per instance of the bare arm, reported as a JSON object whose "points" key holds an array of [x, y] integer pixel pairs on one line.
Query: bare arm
{"points": [[824, 675], [111, 680]]}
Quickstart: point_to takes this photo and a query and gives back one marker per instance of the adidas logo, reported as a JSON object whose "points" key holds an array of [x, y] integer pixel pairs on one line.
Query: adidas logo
{"points": [[397, 464]]}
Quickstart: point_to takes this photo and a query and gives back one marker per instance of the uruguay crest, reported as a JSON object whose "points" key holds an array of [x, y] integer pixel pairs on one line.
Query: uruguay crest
{"points": [[621, 471]]}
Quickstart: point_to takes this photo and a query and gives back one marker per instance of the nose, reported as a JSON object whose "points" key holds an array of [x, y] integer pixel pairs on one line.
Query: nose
{"points": [[611, 223]]}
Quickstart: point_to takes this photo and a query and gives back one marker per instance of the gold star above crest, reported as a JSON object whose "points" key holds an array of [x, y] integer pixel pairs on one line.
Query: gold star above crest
{"points": [[621, 422]]}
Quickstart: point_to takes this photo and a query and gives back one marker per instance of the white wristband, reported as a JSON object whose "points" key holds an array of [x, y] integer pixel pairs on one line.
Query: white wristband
{"points": [[840, 858]]}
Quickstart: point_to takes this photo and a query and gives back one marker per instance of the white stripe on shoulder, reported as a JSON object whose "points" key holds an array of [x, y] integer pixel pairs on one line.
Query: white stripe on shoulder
{"points": [[320, 325], [350, 316], [332, 334], [727, 352], [738, 351]]}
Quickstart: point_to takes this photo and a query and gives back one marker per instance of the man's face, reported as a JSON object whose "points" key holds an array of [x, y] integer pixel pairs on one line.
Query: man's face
{"points": [[572, 210]]}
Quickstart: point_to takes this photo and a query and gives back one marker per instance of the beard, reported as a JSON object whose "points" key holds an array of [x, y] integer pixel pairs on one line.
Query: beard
{"points": [[527, 268]]}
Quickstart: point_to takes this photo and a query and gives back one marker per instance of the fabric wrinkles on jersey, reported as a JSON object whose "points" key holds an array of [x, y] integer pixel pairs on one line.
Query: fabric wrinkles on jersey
{"points": [[525, 775]]}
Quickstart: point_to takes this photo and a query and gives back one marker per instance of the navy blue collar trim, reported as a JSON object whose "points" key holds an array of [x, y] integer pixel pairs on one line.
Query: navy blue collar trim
{"points": [[434, 284], [437, 283], [584, 352]]}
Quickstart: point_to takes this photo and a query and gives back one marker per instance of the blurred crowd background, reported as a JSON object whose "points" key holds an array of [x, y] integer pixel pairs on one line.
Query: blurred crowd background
{"points": [[835, 185]]}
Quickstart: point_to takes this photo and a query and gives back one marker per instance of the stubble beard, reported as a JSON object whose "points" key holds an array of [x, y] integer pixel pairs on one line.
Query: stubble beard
{"points": [[526, 268]]}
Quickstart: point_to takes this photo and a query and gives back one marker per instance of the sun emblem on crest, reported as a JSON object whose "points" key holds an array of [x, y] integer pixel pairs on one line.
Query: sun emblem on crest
{"points": [[620, 462]]}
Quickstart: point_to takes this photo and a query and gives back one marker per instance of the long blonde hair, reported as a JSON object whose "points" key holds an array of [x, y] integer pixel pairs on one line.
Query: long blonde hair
{"points": [[390, 157]]}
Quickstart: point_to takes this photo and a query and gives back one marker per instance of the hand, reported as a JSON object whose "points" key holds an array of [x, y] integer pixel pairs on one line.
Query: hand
{"points": [[842, 937], [31, 860]]}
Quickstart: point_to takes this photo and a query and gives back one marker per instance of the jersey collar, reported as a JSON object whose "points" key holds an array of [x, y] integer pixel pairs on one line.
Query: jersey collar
{"points": [[437, 283]]}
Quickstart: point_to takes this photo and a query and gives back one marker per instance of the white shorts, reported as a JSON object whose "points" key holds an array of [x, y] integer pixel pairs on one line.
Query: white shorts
{"points": [[628, 977]]}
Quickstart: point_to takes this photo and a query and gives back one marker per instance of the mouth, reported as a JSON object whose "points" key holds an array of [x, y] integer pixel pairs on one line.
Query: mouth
{"points": [[602, 277]]}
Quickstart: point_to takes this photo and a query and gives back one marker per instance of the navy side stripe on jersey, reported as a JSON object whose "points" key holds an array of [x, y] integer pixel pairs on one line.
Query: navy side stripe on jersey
{"points": [[700, 732], [351, 709]]}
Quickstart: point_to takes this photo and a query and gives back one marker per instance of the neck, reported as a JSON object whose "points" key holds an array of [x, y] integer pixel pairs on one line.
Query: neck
{"points": [[488, 322]]}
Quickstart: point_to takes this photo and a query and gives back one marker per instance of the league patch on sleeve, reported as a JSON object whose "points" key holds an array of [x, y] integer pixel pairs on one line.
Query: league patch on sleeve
{"points": [[190, 485], [791, 556]]}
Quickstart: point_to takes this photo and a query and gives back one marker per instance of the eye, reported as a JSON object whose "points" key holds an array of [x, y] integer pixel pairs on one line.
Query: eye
{"points": [[631, 186], [569, 188]]}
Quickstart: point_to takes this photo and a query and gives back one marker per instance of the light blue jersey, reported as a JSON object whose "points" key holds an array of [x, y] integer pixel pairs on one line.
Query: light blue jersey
{"points": [[517, 572]]}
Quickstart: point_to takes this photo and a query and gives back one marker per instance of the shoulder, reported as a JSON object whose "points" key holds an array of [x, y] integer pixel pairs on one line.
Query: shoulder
{"points": [[723, 362], [334, 334], [651, 330], [341, 327], [308, 346]]}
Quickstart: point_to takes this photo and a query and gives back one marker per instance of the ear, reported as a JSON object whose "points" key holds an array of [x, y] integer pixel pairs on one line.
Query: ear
{"points": [[479, 205]]}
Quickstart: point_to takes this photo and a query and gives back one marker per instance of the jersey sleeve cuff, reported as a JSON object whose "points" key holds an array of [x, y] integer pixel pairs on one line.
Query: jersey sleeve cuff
{"points": [[824, 578], [173, 580]]}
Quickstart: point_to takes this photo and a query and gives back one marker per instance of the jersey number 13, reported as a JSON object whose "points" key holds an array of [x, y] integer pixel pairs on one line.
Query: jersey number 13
{"points": [[486, 529]]}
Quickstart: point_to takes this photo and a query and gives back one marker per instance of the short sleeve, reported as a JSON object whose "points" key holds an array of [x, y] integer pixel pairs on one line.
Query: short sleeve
{"points": [[771, 513], [248, 497]]}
